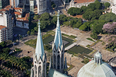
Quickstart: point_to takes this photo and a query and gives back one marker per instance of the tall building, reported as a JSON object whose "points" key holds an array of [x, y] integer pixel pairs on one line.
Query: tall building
{"points": [[39, 58], [96, 68], [3, 33], [14, 3], [58, 49], [3, 3], [41, 6], [31, 5], [7, 21]]}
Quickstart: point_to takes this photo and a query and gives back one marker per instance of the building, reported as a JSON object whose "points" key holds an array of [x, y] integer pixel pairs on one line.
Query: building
{"points": [[3, 33], [80, 3], [32, 6], [7, 21], [41, 6], [39, 58], [3, 3], [57, 67], [113, 62], [58, 49], [14, 3], [96, 68], [22, 24]]}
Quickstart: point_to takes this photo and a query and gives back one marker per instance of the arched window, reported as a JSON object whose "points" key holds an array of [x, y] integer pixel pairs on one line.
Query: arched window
{"points": [[58, 59], [62, 60], [39, 70], [54, 58], [35, 69], [44, 67]]}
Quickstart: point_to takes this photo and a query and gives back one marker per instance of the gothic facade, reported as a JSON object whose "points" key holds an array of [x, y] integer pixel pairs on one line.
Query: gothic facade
{"points": [[39, 58], [58, 49], [57, 61]]}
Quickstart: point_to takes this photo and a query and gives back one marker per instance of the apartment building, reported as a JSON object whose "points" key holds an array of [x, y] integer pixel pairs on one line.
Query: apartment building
{"points": [[3, 3], [7, 21], [3, 33]]}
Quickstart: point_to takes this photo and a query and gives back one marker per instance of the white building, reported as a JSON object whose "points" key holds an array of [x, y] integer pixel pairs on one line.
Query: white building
{"points": [[3, 33], [22, 24], [96, 68], [41, 6], [14, 3], [56, 67], [7, 21]]}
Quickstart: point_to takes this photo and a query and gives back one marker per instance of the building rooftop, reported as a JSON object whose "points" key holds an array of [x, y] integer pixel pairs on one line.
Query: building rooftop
{"points": [[18, 8], [6, 8], [114, 60], [24, 18], [83, 1], [1, 27], [18, 13], [54, 73]]}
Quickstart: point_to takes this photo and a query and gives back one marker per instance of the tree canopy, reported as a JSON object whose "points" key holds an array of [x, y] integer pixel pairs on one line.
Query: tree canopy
{"points": [[109, 17], [107, 4]]}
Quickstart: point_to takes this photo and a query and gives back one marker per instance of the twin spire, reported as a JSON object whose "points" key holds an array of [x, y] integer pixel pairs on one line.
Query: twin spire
{"points": [[39, 52], [58, 36]]}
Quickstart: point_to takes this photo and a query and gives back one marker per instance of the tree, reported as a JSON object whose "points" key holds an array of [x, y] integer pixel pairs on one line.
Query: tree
{"points": [[3, 44], [92, 6], [32, 32], [53, 4], [97, 26], [107, 4], [6, 50], [54, 20], [78, 24], [43, 24], [45, 16], [85, 60], [109, 27], [92, 15], [83, 9], [74, 11], [36, 28], [28, 32], [85, 26], [94, 35], [36, 16], [109, 17], [87, 15], [98, 5]]}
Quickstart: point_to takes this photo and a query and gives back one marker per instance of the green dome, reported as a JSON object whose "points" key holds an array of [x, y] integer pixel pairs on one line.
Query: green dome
{"points": [[96, 68]]}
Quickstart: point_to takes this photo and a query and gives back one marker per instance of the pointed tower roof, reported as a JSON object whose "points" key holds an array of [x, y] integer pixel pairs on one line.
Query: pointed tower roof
{"points": [[58, 36], [39, 52]]}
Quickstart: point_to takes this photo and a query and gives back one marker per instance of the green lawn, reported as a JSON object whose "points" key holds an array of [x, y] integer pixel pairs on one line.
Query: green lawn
{"points": [[79, 49], [70, 41], [48, 39], [51, 38]]}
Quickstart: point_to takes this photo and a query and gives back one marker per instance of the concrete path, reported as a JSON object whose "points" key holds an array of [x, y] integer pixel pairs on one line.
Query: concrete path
{"points": [[76, 62], [70, 46]]}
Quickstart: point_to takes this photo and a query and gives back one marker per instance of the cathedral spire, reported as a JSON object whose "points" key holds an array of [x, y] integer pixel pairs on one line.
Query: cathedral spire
{"points": [[58, 36], [39, 52]]}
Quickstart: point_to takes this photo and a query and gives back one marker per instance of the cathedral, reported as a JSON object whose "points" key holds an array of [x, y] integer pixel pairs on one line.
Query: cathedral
{"points": [[57, 65]]}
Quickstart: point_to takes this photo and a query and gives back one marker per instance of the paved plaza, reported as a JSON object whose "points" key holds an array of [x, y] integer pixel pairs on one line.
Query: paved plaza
{"points": [[75, 61]]}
